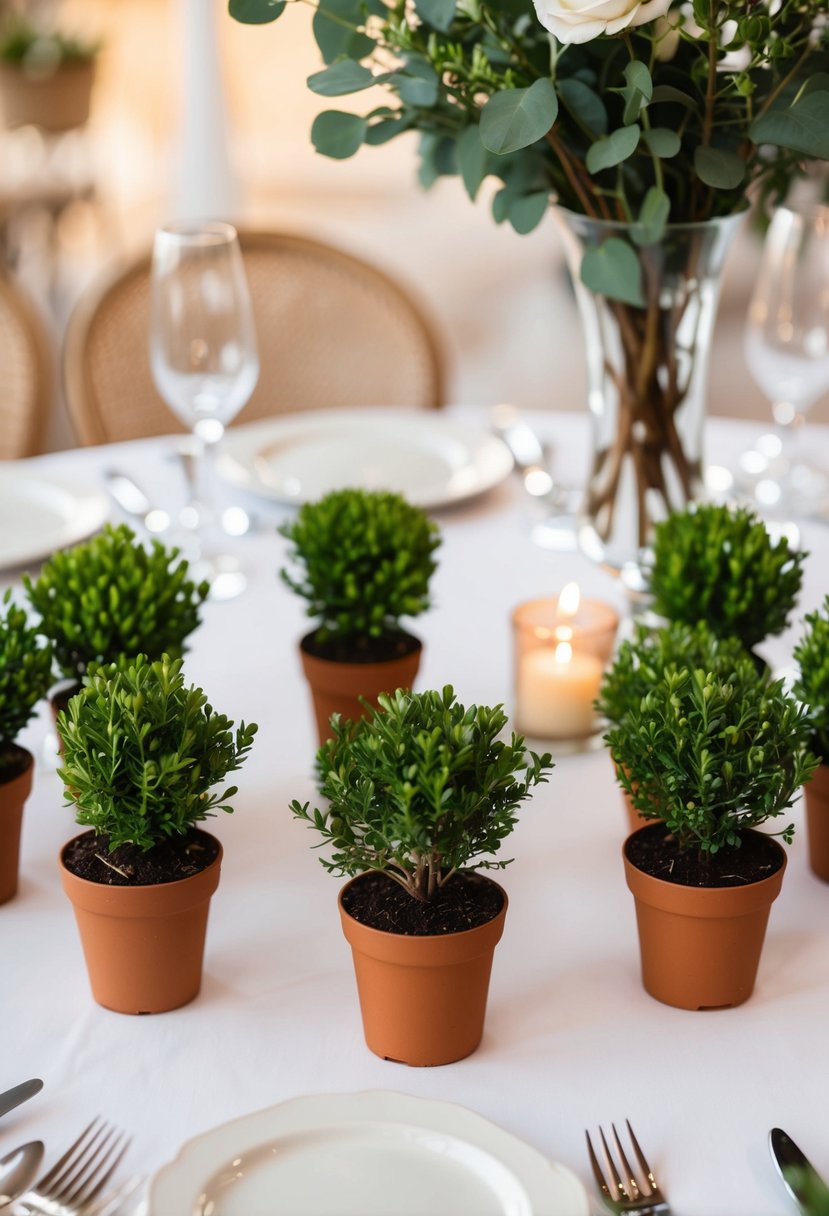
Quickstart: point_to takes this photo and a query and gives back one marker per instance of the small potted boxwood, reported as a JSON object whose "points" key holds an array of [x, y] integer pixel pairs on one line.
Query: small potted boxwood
{"points": [[421, 794], [362, 560], [143, 755], [812, 688], [720, 565], [46, 76], [25, 675], [713, 756], [642, 661], [112, 597]]}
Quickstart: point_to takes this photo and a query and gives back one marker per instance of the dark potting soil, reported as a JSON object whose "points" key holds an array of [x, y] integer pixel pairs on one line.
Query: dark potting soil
{"points": [[654, 851], [368, 650], [88, 857], [14, 760], [467, 901], [61, 697]]}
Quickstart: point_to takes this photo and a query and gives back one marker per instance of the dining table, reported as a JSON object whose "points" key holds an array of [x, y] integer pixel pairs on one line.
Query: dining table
{"points": [[572, 1041]]}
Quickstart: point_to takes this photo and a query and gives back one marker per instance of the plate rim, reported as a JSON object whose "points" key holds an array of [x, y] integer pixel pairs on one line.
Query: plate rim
{"points": [[475, 1129], [232, 469], [92, 500]]}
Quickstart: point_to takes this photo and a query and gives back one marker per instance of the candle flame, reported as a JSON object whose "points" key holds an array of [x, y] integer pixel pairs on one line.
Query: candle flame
{"points": [[563, 633], [564, 652], [569, 600]]}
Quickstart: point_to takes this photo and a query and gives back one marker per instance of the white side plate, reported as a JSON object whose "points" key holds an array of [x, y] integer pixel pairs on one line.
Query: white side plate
{"points": [[430, 459], [39, 514], [365, 1154]]}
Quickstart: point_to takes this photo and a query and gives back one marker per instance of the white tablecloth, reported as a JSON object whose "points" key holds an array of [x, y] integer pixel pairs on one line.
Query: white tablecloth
{"points": [[571, 1040]]}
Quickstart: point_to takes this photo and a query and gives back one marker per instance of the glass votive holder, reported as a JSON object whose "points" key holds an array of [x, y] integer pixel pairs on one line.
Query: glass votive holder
{"points": [[562, 647]]}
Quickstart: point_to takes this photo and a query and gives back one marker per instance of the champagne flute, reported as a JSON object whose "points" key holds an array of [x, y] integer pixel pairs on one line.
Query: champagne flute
{"points": [[787, 351], [204, 363]]}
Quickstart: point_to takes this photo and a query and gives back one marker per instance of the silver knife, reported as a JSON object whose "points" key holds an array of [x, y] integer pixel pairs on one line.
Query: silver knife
{"points": [[800, 1177], [20, 1093]]}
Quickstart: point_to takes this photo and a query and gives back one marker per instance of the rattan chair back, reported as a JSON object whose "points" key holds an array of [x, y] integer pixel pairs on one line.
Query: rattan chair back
{"points": [[332, 331], [27, 369]]}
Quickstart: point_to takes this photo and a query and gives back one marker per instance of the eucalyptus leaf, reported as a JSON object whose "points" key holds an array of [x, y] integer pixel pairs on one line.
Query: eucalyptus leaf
{"points": [[803, 127], [613, 150], [613, 270], [662, 142], [472, 160], [653, 216], [341, 78], [719, 168], [637, 92], [517, 118], [667, 93], [527, 212], [438, 13], [584, 104], [417, 83], [334, 25], [337, 134], [387, 128], [256, 12]]}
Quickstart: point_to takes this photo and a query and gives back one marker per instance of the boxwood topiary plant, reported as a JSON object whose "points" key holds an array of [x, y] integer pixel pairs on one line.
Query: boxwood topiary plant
{"points": [[25, 676], [713, 754], [719, 564], [642, 661], [364, 560], [112, 596], [143, 752], [420, 790], [812, 684]]}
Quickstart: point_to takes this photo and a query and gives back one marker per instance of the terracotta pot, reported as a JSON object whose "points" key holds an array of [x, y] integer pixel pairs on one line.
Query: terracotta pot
{"points": [[336, 687], [57, 102], [423, 999], [816, 796], [700, 946], [13, 794], [144, 945]]}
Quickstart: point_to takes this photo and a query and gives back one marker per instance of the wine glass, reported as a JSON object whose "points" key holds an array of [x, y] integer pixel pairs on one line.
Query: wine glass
{"points": [[204, 363], [787, 351]]}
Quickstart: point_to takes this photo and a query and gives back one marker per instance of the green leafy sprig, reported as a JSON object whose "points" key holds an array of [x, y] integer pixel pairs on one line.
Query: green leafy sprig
{"points": [[142, 753], [713, 756], [812, 685], [25, 676], [363, 560], [111, 597], [719, 564], [421, 789], [642, 661]]}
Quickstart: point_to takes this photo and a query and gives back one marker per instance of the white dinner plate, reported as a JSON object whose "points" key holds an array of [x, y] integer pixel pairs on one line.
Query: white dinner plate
{"points": [[40, 514], [364, 1154], [432, 460]]}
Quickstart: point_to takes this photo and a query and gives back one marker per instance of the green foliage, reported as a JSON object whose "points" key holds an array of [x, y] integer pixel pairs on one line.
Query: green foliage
{"points": [[696, 110], [812, 685], [643, 661], [812, 1189], [720, 565], [364, 560], [25, 674], [142, 752], [420, 789], [713, 754], [27, 45], [112, 597]]}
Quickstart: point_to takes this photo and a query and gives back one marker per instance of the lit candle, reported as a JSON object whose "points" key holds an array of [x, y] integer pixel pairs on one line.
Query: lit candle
{"points": [[562, 647], [558, 687]]}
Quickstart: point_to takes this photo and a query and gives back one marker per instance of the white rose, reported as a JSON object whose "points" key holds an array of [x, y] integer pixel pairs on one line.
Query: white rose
{"points": [[583, 20]]}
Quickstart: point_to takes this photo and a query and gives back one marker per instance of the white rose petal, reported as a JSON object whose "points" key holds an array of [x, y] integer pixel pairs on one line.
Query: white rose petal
{"points": [[583, 20]]}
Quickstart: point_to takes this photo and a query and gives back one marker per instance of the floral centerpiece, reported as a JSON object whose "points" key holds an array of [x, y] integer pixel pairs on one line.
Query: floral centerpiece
{"points": [[635, 117]]}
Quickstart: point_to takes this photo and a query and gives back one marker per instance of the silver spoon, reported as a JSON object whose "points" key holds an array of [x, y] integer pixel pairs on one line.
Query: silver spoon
{"points": [[18, 1169]]}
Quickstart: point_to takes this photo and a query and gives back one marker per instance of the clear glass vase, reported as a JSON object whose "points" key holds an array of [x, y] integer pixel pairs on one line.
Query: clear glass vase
{"points": [[647, 380]]}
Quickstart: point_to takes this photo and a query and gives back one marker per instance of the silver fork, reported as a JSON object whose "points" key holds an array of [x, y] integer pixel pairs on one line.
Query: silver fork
{"points": [[627, 1194], [72, 1185]]}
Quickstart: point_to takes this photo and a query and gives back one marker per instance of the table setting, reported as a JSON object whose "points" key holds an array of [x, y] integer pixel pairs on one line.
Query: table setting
{"points": [[571, 1039]]}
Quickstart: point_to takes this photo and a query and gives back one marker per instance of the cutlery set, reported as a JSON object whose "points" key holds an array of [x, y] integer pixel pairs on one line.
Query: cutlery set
{"points": [[76, 1183]]}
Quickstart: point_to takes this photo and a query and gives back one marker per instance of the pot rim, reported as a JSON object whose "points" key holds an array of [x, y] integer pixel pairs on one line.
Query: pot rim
{"points": [[386, 934], [142, 886], [27, 768], [403, 633], [663, 884]]}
